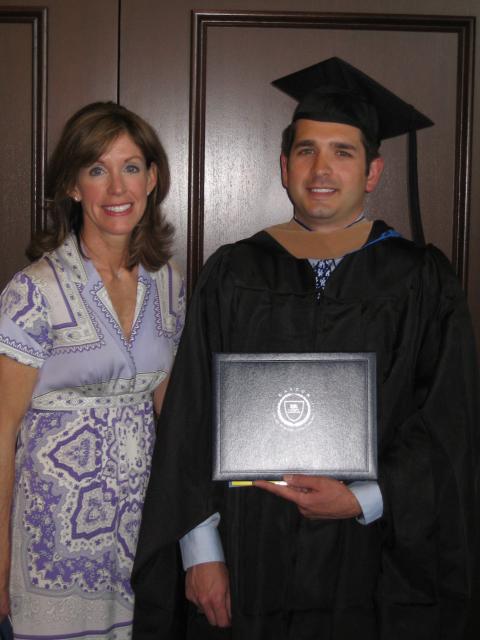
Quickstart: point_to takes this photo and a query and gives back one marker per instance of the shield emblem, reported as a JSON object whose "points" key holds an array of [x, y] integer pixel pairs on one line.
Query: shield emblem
{"points": [[294, 409]]}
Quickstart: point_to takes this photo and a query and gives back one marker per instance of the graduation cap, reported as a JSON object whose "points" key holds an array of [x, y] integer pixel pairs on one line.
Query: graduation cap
{"points": [[335, 91]]}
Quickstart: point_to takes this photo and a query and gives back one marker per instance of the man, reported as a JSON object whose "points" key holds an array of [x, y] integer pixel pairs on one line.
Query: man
{"points": [[319, 558]]}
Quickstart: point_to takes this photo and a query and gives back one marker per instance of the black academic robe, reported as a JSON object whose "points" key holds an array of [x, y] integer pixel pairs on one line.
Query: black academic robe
{"points": [[407, 575]]}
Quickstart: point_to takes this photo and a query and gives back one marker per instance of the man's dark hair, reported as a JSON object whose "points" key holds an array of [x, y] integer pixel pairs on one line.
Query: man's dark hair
{"points": [[371, 147]]}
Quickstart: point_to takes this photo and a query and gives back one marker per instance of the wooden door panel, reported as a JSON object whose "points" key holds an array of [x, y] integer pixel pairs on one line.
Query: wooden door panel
{"points": [[22, 131], [443, 80], [15, 159], [244, 117]]}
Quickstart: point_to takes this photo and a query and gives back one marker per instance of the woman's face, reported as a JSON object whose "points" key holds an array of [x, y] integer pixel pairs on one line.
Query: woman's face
{"points": [[113, 190]]}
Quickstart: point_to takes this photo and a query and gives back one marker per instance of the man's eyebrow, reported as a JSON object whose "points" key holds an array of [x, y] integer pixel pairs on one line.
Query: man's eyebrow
{"points": [[337, 144], [304, 143], [344, 145]]}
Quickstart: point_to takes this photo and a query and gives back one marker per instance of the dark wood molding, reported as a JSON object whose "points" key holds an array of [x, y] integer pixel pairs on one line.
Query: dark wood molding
{"points": [[463, 149], [196, 155], [37, 17], [462, 26]]}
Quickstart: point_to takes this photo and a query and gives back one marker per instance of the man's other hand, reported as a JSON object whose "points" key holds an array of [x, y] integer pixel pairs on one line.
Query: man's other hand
{"points": [[207, 585], [317, 497]]}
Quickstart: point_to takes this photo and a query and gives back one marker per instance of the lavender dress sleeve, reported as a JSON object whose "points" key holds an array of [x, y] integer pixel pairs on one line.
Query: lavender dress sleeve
{"points": [[25, 329]]}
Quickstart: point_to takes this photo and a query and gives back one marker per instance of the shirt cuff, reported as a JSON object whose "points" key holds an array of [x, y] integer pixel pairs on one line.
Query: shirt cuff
{"points": [[202, 544], [369, 496]]}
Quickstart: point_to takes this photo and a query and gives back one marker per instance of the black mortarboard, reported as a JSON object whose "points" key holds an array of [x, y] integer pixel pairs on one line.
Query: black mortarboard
{"points": [[380, 113], [335, 91]]}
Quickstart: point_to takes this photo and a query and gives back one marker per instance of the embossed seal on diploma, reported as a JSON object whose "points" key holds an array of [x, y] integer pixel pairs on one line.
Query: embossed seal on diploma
{"points": [[294, 409]]}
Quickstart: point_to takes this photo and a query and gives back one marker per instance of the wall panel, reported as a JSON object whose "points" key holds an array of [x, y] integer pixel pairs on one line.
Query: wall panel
{"points": [[240, 117], [22, 131]]}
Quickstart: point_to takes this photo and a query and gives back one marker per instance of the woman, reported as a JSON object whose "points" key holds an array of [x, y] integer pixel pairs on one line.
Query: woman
{"points": [[88, 333]]}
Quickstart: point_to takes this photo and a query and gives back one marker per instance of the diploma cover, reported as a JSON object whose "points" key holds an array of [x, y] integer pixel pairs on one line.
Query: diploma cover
{"points": [[309, 413]]}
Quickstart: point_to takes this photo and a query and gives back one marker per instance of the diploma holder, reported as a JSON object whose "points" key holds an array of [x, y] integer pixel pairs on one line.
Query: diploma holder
{"points": [[294, 413]]}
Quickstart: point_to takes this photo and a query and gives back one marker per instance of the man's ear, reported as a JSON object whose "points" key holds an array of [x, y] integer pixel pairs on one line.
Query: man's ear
{"points": [[374, 172], [284, 168]]}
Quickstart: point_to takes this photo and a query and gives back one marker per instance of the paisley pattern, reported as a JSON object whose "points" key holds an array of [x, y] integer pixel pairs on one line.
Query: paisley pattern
{"points": [[85, 444]]}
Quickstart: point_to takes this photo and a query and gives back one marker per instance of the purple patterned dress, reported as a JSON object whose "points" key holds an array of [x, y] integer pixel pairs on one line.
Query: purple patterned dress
{"points": [[85, 443]]}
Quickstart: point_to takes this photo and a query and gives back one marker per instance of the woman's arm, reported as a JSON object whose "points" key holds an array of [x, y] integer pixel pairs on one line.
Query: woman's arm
{"points": [[17, 382]]}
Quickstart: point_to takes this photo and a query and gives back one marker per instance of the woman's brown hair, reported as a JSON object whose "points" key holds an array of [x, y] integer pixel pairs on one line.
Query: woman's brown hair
{"points": [[85, 137]]}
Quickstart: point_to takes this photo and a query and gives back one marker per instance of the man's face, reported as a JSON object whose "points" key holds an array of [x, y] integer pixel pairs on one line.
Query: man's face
{"points": [[326, 175]]}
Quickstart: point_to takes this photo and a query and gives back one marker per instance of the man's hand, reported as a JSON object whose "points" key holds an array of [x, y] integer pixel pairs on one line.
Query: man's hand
{"points": [[208, 586], [317, 497]]}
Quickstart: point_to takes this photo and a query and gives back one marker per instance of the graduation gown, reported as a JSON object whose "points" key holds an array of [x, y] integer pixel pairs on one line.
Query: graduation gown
{"points": [[406, 575]]}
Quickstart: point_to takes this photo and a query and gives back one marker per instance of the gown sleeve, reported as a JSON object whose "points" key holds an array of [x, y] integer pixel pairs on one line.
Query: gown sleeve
{"points": [[25, 325], [429, 468]]}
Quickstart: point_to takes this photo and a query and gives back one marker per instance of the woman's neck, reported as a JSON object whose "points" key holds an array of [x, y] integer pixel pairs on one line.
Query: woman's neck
{"points": [[108, 255]]}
